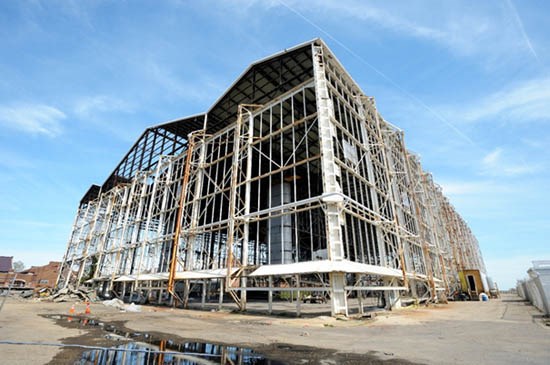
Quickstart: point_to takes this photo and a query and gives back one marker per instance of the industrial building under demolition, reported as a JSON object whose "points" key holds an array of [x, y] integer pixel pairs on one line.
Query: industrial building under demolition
{"points": [[291, 184]]}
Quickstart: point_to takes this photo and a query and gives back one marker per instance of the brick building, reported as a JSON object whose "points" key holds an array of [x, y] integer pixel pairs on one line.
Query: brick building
{"points": [[36, 277]]}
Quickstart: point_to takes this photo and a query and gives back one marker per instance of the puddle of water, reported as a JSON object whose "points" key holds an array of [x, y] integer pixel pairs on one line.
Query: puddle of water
{"points": [[190, 353], [142, 348]]}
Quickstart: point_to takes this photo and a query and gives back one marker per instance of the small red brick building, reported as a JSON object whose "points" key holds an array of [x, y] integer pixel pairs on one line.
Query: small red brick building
{"points": [[36, 277]]}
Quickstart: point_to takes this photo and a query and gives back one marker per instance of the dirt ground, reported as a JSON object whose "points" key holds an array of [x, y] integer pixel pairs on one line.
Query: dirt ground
{"points": [[504, 331]]}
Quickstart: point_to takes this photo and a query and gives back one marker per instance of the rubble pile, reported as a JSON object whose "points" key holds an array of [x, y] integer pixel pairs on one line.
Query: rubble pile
{"points": [[120, 305], [70, 294]]}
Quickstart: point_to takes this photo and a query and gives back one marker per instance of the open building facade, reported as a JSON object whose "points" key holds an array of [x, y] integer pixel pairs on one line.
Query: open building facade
{"points": [[292, 182]]}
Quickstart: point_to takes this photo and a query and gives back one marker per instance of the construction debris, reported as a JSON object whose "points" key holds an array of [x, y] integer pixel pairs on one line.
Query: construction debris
{"points": [[26, 294], [120, 305], [70, 294], [132, 308], [115, 303]]}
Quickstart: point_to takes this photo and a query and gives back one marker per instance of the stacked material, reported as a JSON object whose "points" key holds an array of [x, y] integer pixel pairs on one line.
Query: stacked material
{"points": [[536, 289]]}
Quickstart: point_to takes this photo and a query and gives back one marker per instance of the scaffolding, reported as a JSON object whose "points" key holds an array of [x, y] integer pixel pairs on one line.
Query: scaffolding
{"points": [[291, 183]]}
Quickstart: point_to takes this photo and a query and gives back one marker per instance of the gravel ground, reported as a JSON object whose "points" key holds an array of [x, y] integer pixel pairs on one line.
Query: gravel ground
{"points": [[504, 331]]}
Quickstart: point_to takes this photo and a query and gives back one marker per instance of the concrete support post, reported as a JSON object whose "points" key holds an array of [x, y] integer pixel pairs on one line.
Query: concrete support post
{"points": [[359, 294], [339, 302], [132, 291], [298, 299], [220, 297], [186, 292], [203, 294], [393, 298], [270, 296], [412, 287], [360, 302]]}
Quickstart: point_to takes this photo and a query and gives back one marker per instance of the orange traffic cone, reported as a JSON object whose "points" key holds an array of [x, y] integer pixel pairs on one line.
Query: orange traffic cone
{"points": [[71, 311], [88, 310]]}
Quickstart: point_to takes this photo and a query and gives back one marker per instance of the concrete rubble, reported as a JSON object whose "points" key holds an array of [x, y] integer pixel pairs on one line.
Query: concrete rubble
{"points": [[120, 305], [69, 294]]}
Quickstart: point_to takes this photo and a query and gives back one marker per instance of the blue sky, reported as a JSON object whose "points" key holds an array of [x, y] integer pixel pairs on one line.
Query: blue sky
{"points": [[468, 82]]}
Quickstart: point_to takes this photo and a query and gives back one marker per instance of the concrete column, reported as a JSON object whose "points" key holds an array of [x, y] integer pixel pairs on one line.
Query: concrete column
{"points": [[220, 297], [359, 294], [186, 289], [338, 300], [333, 200], [298, 299], [412, 287], [203, 296], [393, 298], [270, 296]]}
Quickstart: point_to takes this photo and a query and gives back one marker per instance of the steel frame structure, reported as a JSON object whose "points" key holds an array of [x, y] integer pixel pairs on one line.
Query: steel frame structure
{"points": [[291, 182]]}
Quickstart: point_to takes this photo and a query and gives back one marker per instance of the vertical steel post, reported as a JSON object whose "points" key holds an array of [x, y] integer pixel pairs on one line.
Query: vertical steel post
{"points": [[175, 242]]}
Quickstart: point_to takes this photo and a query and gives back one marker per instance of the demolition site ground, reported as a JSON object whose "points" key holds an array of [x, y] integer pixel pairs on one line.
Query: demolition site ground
{"points": [[502, 331]]}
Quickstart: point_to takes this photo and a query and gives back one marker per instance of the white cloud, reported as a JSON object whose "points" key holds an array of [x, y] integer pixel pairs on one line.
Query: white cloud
{"points": [[490, 29], [461, 188], [166, 79], [100, 110], [88, 106], [536, 144], [492, 157], [516, 170], [526, 101], [494, 163], [32, 118]]}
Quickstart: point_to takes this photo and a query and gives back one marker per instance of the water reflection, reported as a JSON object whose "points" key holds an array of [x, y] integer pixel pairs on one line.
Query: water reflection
{"points": [[167, 352], [145, 349]]}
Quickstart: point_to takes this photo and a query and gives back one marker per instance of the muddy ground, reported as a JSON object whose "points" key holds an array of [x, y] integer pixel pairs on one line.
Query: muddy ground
{"points": [[505, 331]]}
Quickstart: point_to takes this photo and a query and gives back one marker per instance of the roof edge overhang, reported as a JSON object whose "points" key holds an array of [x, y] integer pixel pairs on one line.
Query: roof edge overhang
{"points": [[178, 120], [258, 62]]}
